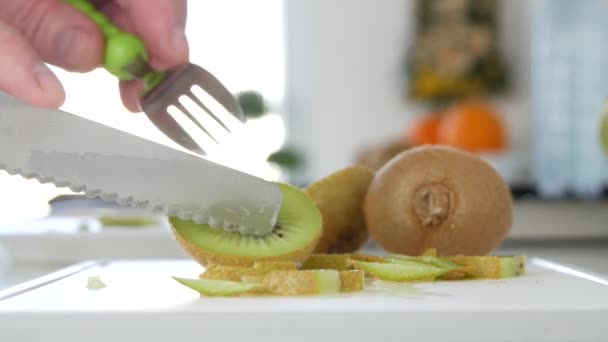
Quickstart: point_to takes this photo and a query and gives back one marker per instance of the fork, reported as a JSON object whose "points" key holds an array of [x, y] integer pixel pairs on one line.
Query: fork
{"points": [[127, 58]]}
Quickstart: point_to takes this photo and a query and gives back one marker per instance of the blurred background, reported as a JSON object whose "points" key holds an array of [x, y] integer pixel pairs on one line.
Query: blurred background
{"points": [[327, 84]]}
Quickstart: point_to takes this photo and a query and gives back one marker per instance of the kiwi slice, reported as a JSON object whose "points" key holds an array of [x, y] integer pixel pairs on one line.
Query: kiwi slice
{"points": [[492, 266], [275, 265], [226, 272], [294, 237], [339, 262], [365, 257], [340, 197], [512, 266], [236, 273], [433, 260], [404, 270], [213, 287], [125, 221], [294, 283]]}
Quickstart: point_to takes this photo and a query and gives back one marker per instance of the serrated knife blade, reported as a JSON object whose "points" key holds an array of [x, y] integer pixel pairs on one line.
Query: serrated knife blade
{"points": [[54, 146]]}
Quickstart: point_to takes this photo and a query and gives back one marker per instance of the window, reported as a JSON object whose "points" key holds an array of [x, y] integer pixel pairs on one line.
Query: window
{"points": [[240, 41]]}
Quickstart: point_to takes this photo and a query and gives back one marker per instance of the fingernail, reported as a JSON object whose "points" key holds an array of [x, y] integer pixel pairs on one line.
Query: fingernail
{"points": [[67, 45], [49, 83], [179, 41]]}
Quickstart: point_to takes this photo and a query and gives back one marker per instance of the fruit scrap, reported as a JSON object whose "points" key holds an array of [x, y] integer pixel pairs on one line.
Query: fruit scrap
{"points": [[296, 283], [275, 265], [236, 273], [273, 281], [429, 267], [404, 270], [95, 283], [364, 257], [492, 267], [339, 262], [352, 281], [216, 287]]}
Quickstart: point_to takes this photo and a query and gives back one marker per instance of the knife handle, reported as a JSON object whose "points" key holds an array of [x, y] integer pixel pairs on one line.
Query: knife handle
{"points": [[125, 55]]}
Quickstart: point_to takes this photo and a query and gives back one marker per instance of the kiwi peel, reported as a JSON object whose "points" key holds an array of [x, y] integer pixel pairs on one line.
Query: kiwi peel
{"points": [[404, 270], [214, 287], [352, 281], [344, 273], [436, 261], [298, 229], [438, 197], [296, 283], [236, 273], [340, 197]]}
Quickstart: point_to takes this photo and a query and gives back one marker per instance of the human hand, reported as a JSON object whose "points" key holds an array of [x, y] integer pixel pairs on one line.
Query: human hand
{"points": [[36, 31]]}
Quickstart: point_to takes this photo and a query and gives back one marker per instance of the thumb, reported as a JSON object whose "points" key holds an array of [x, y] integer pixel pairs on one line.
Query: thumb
{"points": [[24, 75], [60, 34]]}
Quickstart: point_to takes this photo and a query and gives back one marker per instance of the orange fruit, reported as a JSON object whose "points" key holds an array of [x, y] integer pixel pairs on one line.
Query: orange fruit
{"points": [[424, 130], [473, 126]]}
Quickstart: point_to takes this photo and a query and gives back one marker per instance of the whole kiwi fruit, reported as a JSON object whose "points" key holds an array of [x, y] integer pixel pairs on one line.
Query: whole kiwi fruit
{"points": [[294, 237], [440, 197]]}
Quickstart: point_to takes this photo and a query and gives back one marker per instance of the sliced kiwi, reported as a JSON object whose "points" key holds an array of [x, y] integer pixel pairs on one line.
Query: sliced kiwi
{"points": [[365, 257], [236, 273], [340, 197], [226, 272], [339, 262], [402, 271], [491, 266], [294, 237], [214, 287], [125, 221], [275, 265], [433, 260], [328, 281], [352, 281], [295, 283], [512, 266]]}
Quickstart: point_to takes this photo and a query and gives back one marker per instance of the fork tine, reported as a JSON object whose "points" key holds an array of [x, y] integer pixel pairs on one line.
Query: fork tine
{"points": [[185, 111], [212, 86], [200, 103], [171, 128]]}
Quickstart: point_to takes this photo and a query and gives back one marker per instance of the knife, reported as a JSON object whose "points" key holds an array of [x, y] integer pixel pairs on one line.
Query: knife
{"points": [[54, 146]]}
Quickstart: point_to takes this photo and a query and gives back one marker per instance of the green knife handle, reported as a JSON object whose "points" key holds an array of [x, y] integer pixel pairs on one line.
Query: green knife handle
{"points": [[125, 55]]}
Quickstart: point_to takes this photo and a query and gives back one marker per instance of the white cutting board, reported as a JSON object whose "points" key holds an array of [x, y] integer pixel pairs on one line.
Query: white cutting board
{"points": [[142, 303]]}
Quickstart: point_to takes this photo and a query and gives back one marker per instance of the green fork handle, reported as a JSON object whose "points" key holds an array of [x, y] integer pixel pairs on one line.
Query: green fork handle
{"points": [[125, 55]]}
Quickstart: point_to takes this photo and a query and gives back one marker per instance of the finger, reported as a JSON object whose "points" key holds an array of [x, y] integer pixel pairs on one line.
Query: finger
{"points": [[130, 93], [24, 75], [61, 35], [164, 37]]}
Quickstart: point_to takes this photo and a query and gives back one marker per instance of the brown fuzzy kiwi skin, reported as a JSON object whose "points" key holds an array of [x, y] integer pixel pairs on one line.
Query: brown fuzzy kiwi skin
{"points": [[340, 197], [206, 258], [439, 197]]}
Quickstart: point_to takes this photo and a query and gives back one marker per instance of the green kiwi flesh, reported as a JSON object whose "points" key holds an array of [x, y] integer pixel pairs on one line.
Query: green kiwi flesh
{"points": [[298, 226], [215, 287], [404, 270], [430, 259], [328, 281], [512, 266]]}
